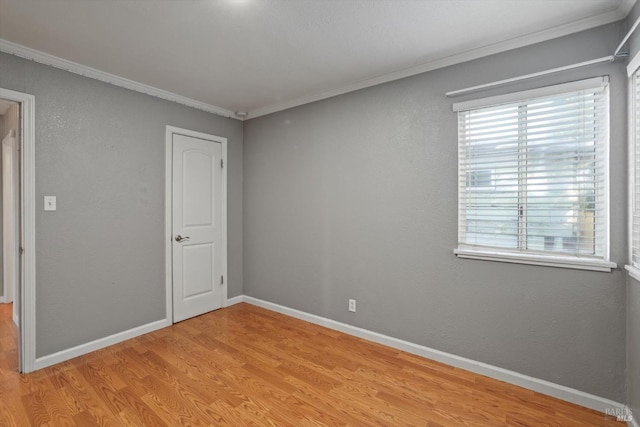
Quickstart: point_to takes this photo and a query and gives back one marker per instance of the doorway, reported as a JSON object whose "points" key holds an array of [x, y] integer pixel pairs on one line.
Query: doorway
{"points": [[196, 224], [10, 226], [18, 193], [9, 205]]}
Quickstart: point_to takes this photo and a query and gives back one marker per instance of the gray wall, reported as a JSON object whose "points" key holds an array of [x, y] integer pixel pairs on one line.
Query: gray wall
{"points": [[101, 150], [633, 44], [633, 287], [633, 347], [355, 197]]}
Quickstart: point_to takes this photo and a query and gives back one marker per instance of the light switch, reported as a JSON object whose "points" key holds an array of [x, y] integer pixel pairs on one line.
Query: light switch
{"points": [[49, 203]]}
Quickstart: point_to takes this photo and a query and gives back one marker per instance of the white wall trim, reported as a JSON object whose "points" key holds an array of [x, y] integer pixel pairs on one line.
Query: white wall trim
{"points": [[633, 272], [526, 40], [168, 224], [235, 300], [593, 83], [577, 263], [541, 386], [27, 331], [3, 300], [11, 239], [626, 7], [64, 355], [634, 421], [633, 64], [73, 67], [514, 43], [168, 214], [224, 244]]}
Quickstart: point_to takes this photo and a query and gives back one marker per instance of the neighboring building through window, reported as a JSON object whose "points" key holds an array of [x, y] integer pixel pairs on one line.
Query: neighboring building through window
{"points": [[533, 176]]}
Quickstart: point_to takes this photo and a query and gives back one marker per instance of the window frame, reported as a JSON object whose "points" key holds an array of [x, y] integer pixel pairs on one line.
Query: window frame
{"points": [[633, 74], [532, 257]]}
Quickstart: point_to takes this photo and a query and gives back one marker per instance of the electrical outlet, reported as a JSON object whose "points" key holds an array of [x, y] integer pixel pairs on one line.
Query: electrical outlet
{"points": [[352, 305]]}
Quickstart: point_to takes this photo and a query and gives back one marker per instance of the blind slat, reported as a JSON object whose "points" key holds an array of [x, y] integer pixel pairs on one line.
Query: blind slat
{"points": [[635, 225]]}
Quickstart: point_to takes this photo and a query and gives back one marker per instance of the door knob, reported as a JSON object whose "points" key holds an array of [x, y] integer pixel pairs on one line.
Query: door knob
{"points": [[180, 238]]}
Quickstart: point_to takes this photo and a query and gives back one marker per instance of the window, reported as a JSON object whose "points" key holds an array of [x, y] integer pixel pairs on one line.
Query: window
{"points": [[533, 176], [634, 133], [479, 178]]}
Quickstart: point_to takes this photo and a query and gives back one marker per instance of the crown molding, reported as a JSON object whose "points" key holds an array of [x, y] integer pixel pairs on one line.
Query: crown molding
{"points": [[73, 67], [514, 43], [517, 42], [626, 7]]}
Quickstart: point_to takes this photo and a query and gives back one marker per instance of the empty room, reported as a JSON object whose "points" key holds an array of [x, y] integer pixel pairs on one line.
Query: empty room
{"points": [[320, 213]]}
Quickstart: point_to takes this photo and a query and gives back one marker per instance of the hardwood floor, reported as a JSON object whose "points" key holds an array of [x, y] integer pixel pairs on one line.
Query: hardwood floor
{"points": [[244, 365]]}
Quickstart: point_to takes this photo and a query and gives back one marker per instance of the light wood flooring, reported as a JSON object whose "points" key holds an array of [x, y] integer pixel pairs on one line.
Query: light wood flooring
{"points": [[246, 366]]}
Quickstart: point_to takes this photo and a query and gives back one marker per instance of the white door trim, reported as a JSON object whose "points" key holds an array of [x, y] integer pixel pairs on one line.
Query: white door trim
{"points": [[28, 229], [11, 239], [170, 131]]}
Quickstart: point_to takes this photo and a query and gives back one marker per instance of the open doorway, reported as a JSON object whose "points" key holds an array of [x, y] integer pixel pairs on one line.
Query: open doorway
{"points": [[10, 130]]}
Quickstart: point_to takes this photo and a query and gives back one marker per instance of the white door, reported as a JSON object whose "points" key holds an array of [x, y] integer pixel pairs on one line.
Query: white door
{"points": [[197, 226]]}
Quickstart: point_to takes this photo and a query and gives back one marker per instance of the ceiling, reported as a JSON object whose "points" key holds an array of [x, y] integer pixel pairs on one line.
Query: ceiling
{"points": [[262, 56]]}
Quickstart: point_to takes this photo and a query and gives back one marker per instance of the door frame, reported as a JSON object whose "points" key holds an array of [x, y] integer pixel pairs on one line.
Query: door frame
{"points": [[11, 292], [168, 215], [27, 284]]}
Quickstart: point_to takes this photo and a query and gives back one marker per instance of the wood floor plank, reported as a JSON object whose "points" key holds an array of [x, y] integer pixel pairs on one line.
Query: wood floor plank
{"points": [[85, 419], [329, 403], [11, 413], [247, 366], [34, 409]]}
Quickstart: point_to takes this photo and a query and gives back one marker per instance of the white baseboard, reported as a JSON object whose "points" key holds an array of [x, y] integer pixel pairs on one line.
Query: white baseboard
{"points": [[64, 355], [634, 421], [541, 386], [234, 300], [3, 299], [15, 319]]}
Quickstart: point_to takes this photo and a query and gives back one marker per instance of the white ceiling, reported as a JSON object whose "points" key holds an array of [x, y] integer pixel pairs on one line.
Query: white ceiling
{"points": [[262, 56]]}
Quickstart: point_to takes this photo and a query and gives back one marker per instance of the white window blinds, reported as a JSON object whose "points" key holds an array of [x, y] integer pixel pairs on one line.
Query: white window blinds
{"points": [[635, 118], [533, 171]]}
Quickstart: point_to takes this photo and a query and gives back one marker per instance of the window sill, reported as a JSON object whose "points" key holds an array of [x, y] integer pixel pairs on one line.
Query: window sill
{"points": [[634, 272], [533, 259]]}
